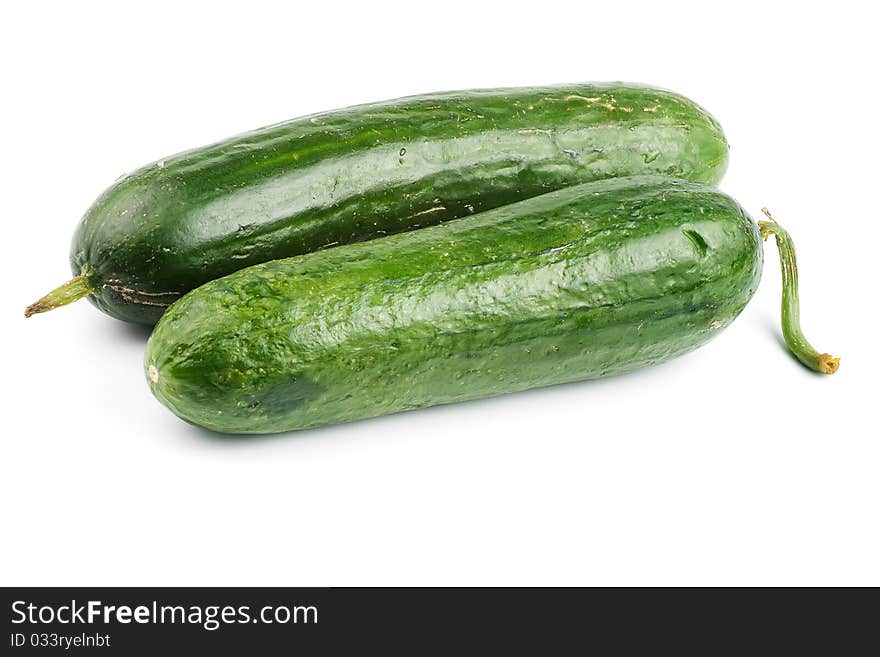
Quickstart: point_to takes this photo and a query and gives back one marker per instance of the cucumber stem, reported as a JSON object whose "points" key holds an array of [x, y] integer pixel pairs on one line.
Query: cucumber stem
{"points": [[791, 314], [74, 289]]}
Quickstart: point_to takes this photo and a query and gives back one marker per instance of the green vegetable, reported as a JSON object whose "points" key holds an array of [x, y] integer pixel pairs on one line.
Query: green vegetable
{"points": [[584, 282], [365, 172]]}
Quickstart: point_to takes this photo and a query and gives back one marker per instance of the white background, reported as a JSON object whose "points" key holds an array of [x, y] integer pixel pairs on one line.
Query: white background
{"points": [[732, 465]]}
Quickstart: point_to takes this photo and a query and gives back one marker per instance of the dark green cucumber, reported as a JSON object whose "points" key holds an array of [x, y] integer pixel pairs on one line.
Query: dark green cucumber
{"points": [[366, 172], [583, 282]]}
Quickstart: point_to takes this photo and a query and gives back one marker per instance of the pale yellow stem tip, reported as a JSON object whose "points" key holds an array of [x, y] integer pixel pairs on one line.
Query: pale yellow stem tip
{"points": [[828, 364]]}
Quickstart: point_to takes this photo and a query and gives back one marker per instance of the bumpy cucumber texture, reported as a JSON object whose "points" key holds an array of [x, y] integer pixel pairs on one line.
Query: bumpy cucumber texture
{"points": [[587, 281], [366, 172]]}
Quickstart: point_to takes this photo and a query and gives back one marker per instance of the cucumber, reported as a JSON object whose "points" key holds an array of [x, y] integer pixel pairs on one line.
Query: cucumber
{"points": [[366, 172], [587, 281]]}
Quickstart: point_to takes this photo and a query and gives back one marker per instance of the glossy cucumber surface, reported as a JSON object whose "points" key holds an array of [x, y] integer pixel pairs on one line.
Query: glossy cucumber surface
{"points": [[369, 171], [587, 281]]}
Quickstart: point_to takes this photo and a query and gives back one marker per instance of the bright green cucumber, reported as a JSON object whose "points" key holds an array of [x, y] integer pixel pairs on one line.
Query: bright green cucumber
{"points": [[365, 172], [583, 282]]}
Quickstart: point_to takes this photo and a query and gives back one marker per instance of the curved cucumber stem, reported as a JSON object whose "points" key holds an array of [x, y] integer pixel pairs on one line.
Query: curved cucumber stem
{"points": [[791, 313], [74, 289]]}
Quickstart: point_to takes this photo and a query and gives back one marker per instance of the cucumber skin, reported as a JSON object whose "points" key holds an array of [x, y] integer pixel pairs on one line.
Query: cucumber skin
{"points": [[372, 170], [584, 282]]}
